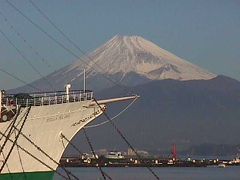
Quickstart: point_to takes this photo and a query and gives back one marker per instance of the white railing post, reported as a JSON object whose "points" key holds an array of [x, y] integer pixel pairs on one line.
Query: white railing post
{"points": [[67, 87], [55, 98]]}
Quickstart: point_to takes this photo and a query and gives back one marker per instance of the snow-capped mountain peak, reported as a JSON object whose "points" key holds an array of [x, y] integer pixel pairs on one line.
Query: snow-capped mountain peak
{"points": [[125, 54], [126, 60]]}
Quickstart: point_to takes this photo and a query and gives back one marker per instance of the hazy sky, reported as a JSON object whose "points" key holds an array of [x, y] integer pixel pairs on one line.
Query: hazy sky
{"points": [[204, 32]]}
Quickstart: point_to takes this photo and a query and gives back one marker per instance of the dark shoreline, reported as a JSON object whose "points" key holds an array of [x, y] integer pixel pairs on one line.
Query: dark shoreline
{"points": [[146, 163]]}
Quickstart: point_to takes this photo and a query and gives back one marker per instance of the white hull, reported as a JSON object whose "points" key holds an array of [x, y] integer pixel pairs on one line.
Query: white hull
{"points": [[44, 126]]}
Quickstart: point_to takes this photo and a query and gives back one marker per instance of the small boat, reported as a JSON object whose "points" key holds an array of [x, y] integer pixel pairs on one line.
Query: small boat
{"points": [[221, 165]]}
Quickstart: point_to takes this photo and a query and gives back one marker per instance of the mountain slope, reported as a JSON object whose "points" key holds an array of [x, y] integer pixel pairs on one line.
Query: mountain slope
{"points": [[128, 60], [125, 54], [169, 111]]}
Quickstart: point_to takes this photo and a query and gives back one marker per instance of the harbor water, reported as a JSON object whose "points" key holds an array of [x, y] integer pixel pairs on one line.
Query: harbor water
{"points": [[172, 173]]}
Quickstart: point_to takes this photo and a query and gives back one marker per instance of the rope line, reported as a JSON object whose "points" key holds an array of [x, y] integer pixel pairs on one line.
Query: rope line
{"points": [[93, 152], [30, 154], [64, 137], [15, 140], [10, 131], [43, 152], [20, 80], [25, 58], [75, 147], [18, 146], [114, 117], [125, 139], [6, 130], [118, 84], [64, 47], [56, 27], [20, 159], [61, 45], [25, 41], [7, 165]]}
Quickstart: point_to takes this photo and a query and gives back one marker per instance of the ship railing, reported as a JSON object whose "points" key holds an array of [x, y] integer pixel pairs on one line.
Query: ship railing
{"points": [[48, 98]]}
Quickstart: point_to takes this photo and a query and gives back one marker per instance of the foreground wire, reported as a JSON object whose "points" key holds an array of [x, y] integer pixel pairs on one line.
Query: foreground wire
{"points": [[125, 139]]}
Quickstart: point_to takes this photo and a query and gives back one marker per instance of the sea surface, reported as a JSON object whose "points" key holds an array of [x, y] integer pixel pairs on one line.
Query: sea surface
{"points": [[164, 173]]}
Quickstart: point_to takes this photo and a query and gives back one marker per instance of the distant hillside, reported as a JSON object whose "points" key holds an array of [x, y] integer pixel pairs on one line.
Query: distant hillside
{"points": [[183, 112], [213, 150]]}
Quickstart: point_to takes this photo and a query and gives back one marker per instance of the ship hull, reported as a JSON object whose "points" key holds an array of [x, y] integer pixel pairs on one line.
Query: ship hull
{"points": [[28, 176], [40, 144]]}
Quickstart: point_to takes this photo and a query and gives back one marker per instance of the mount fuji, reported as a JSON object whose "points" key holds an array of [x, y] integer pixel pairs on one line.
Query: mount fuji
{"points": [[126, 54], [126, 60]]}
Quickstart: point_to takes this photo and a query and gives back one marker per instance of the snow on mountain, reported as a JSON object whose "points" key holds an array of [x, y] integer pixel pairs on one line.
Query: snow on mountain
{"points": [[125, 54], [127, 60]]}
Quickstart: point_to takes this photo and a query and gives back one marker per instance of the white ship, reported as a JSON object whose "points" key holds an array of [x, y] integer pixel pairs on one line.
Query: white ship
{"points": [[35, 129]]}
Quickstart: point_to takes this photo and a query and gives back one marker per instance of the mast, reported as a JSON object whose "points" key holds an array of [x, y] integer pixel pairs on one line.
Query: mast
{"points": [[84, 80]]}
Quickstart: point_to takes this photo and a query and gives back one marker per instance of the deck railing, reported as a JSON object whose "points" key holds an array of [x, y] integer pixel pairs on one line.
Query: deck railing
{"points": [[48, 98]]}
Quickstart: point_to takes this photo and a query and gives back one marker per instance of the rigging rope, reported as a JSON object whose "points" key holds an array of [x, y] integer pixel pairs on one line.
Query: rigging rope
{"points": [[25, 41], [6, 130], [14, 118], [11, 125], [43, 152], [114, 117], [15, 140], [56, 27], [20, 80], [62, 45], [25, 58], [93, 152], [30, 154], [7, 165], [125, 139], [71, 52], [18, 146], [20, 159], [64, 137]]}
